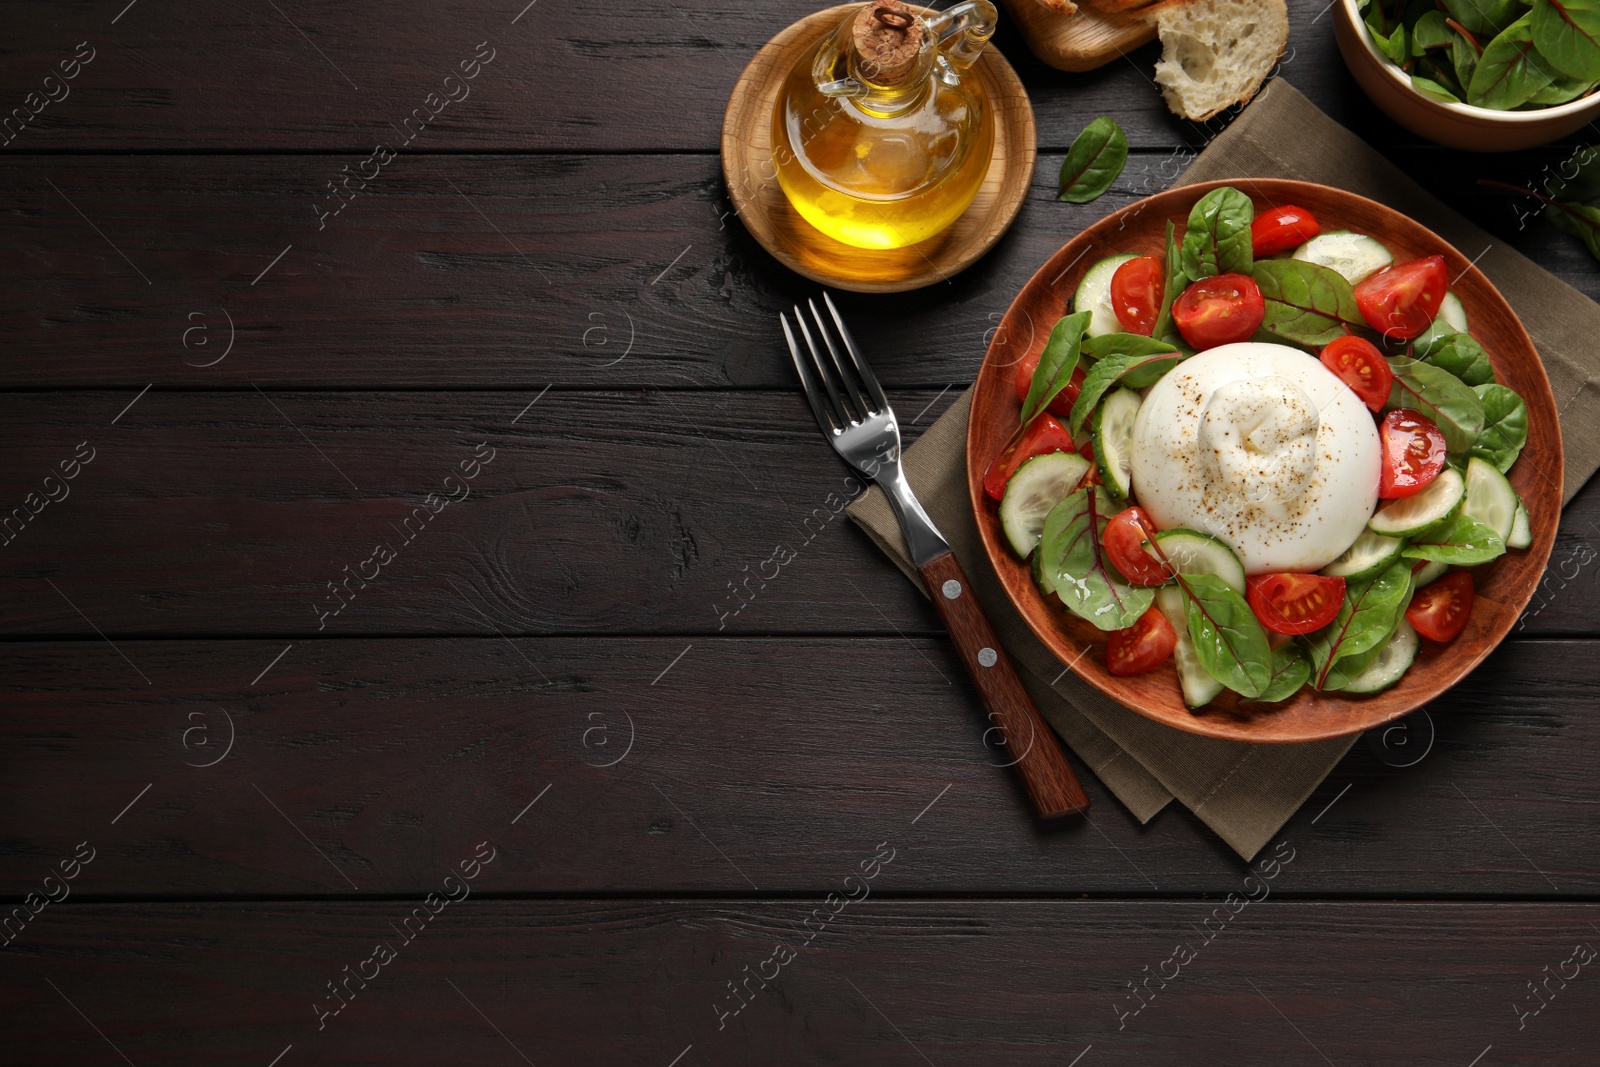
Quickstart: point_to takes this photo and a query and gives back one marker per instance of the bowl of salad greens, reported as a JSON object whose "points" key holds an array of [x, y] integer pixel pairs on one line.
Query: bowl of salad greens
{"points": [[1480, 75]]}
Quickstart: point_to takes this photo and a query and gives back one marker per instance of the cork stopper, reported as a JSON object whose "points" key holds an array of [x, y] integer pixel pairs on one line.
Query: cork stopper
{"points": [[888, 39]]}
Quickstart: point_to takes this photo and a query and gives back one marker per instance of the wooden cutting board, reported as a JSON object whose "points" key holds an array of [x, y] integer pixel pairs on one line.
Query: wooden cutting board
{"points": [[1081, 41]]}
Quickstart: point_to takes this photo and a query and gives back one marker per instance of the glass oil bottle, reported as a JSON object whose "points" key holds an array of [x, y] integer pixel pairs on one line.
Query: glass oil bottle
{"points": [[881, 136]]}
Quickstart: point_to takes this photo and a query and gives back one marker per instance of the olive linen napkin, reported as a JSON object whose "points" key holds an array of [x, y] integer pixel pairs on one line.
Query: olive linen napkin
{"points": [[1244, 792]]}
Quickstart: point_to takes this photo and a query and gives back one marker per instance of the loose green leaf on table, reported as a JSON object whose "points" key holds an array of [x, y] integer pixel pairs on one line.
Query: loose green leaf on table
{"points": [[1580, 220], [1305, 303], [1440, 396], [1072, 556], [1567, 34], [1218, 238], [1228, 639], [1096, 157], [1136, 372], [1510, 70], [1578, 176], [1368, 615], [1461, 541], [1056, 364], [1505, 426]]}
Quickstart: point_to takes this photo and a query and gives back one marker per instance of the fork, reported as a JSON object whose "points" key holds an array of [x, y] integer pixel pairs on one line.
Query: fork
{"points": [[859, 423]]}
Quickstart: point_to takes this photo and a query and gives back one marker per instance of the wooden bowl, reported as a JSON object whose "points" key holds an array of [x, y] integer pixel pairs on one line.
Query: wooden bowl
{"points": [[1084, 40], [1503, 586], [753, 184], [1475, 129]]}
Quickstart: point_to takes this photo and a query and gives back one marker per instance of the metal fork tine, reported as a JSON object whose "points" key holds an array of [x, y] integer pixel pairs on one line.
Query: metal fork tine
{"points": [[807, 385], [862, 367], [846, 417], [863, 409]]}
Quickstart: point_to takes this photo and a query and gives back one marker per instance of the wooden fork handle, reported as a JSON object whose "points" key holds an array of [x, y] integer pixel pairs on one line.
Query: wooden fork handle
{"points": [[1048, 778]]}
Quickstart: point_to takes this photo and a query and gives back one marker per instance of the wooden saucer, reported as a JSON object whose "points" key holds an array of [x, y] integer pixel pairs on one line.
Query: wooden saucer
{"points": [[767, 214]]}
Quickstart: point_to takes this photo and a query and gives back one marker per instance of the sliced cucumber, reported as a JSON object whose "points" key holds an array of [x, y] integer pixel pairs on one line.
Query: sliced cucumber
{"points": [[1431, 572], [1391, 663], [1199, 688], [1411, 515], [1490, 498], [1094, 296], [1521, 535], [1036, 487], [1371, 553], [1040, 578], [1452, 311], [1198, 553], [1353, 255], [1112, 427]]}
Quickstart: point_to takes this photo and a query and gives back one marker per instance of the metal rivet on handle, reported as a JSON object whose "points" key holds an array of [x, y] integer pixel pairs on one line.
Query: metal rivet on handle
{"points": [[988, 657], [951, 589]]}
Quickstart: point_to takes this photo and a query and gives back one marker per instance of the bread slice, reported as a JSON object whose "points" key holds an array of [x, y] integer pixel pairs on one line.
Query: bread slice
{"points": [[1063, 7], [1216, 53], [1112, 7]]}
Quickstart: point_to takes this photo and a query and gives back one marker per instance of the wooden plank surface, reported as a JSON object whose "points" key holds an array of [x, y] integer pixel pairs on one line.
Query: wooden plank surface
{"points": [[884, 981], [581, 77], [734, 766], [623, 511], [599, 271]]}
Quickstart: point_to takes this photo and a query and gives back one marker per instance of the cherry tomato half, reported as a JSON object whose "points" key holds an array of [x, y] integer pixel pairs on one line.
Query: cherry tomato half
{"points": [[1061, 406], [1360, 365], [1294, 603], [1219, 310], [1144, 646], [1136, 290], [1282, 228], [1400, 301], [1413, 453], [1043, 435], [1439, 610], [1124, 539]]}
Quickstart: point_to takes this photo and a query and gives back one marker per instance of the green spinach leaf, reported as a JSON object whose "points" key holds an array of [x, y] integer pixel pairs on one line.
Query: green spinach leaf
{"points": [[1505, 426], [1462, 541], [1228, 639], [1124, 344], [1175, 283], [1430, 88], [1056, 364], [1442, 397], [1218, 238], [1567, 33], [1094, 161], [1460, 355], [1136, 372], [1305, 303], [1510, 70], [1367, 616], [1073, 558], [1290, 671]]}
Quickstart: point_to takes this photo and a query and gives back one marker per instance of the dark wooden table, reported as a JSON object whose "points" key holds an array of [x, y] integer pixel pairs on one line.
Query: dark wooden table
{"points": [[535, 358]]}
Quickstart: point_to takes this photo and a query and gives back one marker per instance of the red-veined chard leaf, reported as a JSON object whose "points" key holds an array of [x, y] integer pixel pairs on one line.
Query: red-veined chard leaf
{"points": [[1445, 399], [1228, 638], [1510, 70], [1306, 303], [1073, 557], [1367, 617], [1290, 671], [1567, 33]]}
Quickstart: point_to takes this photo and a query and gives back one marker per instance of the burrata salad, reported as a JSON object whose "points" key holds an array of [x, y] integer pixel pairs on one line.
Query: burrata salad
{"points": [[1267, 456]]}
